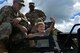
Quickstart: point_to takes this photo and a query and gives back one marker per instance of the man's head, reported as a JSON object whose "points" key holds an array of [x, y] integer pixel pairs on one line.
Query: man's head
{"points": [[17, 4], [31, 6]]}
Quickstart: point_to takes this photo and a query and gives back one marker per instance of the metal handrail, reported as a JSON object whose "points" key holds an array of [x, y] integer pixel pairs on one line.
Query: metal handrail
{"points": [[68, 37]]}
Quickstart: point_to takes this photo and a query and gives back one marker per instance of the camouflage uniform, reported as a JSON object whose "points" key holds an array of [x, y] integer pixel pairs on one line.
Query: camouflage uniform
{"points": [[5, 27], [7, 14], [33, 16]]}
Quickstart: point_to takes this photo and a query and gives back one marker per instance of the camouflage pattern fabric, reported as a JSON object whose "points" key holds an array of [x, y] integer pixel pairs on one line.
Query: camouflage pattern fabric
{"points": [[33, 16], [5, 30], [7, 14]]}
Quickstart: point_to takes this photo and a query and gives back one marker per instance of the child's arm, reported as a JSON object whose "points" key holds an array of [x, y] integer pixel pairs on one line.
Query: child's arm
{"points": [[32, 42], [52, 24], [30, 36]]}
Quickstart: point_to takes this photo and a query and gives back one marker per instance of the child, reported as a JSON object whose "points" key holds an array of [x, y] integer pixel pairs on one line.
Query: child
{"points": [[40, 27]]}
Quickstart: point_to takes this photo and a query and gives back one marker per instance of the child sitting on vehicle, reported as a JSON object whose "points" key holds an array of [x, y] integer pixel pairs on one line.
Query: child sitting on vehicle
{"points": [[40, 27]]}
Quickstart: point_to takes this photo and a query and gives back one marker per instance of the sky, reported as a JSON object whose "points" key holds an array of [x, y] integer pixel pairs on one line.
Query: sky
{"points": [[66, 12]]}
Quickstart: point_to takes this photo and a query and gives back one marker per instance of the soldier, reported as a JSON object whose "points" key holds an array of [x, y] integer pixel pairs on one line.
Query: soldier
{"points": [[34, 15], [12, 21]]}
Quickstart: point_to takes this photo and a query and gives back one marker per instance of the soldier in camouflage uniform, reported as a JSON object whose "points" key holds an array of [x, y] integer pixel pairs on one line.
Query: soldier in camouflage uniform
{"points": [[34, 15], [12, 22]]}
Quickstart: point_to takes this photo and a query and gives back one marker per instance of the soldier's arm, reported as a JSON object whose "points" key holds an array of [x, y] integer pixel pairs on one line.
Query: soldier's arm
{"points": [[25, 22], [21, 20], [22, 28], [3, 13], [25, 19], [42, 15], [27, 16]]}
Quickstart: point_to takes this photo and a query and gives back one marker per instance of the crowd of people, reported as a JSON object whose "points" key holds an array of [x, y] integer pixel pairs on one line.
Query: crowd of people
{"points": [[14, 25]]}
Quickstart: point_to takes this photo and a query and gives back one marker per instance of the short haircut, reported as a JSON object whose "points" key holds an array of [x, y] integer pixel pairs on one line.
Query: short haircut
{"points": [[39, 23]]}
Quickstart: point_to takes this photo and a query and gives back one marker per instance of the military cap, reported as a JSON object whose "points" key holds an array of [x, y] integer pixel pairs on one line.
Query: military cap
{"points": [[31, 4], [20, 2]]}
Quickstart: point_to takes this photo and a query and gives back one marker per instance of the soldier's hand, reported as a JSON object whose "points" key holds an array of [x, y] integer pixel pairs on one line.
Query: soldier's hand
{"points": [[16, 21], [23, 29]]}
